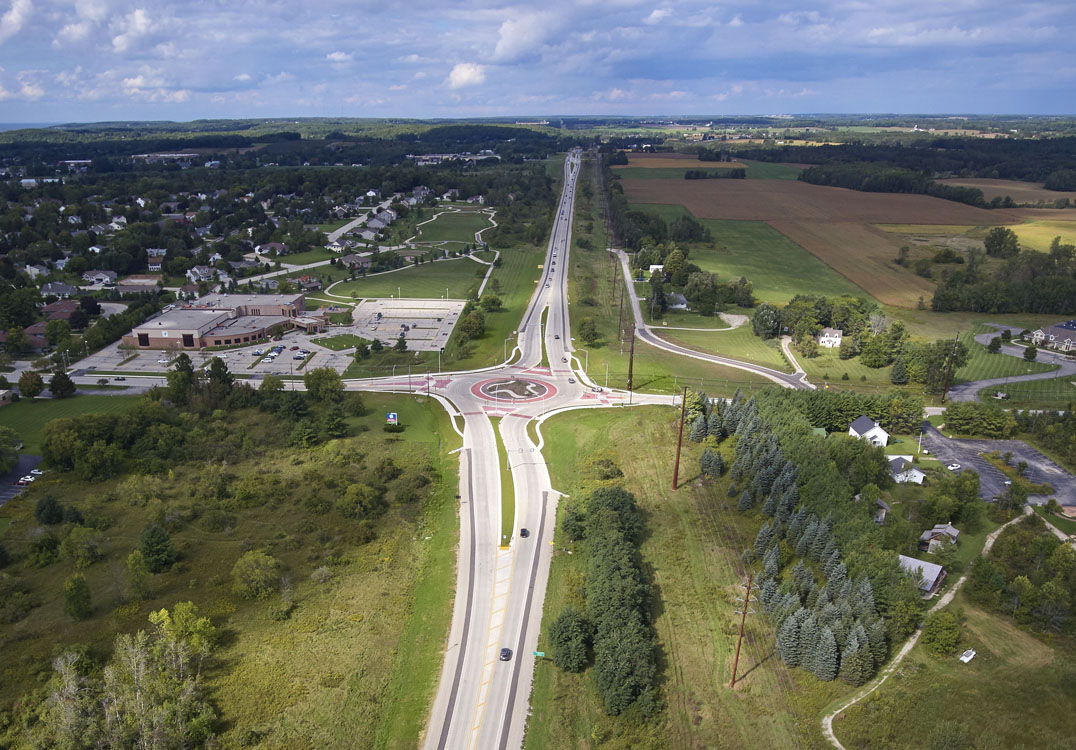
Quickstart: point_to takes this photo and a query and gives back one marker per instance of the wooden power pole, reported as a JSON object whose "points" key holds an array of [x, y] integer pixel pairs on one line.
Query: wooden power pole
{"points": [[680, 439], [743, 619], [949, 367], [631, 357], [620, 320]]}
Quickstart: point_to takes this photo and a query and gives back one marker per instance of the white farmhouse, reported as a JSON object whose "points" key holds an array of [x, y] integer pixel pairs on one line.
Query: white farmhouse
{"points": [[867, 429]]}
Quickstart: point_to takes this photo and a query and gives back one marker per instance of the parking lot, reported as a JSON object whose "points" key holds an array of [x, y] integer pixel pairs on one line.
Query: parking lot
{"points": [[8, 488], [426, 323]]}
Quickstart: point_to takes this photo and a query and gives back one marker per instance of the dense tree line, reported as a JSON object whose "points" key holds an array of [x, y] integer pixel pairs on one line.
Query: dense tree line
{"points": [[1056, 429], [616, 624], [974, 418], [1030, 576], [880, 178], [705, 292], [720, 174]]}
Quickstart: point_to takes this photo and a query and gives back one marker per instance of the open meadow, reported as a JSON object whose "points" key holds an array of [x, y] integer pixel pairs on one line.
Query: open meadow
{"points": [[453, 227], [425, 281], [1039, 233]]}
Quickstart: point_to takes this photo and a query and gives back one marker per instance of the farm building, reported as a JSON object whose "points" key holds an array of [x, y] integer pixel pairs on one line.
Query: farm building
{"points": [[867, 429]]}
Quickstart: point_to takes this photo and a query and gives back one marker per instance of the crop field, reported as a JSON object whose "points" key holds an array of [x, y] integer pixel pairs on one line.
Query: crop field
{"points": [[740, 343], [863, 255], [792, 200], [453, 227], [1037, 235], [1020, 192], [28, 417], [1015, 693], [426, 281]]}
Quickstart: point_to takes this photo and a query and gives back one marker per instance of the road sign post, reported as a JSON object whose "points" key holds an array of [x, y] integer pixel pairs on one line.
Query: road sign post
{"points": [[392, 418]]}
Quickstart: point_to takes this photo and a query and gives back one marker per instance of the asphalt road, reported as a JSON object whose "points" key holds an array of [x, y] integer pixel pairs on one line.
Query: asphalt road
{"points": [[968, 453], [646, 333], [970, 391]]}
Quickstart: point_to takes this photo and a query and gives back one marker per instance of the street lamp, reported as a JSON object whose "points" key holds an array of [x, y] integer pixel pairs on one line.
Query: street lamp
{"points": [[506, 348], [398, 293], [586, 367]]}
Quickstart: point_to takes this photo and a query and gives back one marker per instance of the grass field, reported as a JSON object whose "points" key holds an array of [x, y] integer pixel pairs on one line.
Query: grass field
{"points": [[425, 281], [1038, 235], [739, 343], [1017, 692], [1021, 192], [354, 665], [339, 342], [1063, 523], [691, 551], [29, 417], [454, 227], [1049, 393], [508, 492], [316, 255], [768, 170], [331, 226], [983, 365]]}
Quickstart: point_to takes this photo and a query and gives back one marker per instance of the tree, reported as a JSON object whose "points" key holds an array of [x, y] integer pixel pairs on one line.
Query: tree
{"points": [[61, 385], [942, 632], [270, 385], [826, 656], [324, 384], [1001, 242], [17, 340], [1031, 352], [698, 429], [255, 575], [490, 302], [362, 351], [943, 357], [995, 345], [766, 321], [9, 454], [788, 638], [899, 374], [588, 331], [376, 345], [400, 345], [570, 636], [304, 434], [30, 384], [138, 573], [57, 331], [77, 602], [156, 547], [333, 424], [49, 511]]}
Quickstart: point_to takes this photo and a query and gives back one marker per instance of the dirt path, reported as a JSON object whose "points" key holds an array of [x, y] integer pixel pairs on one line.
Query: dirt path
{"points": [[785, 342], [827, 720]]}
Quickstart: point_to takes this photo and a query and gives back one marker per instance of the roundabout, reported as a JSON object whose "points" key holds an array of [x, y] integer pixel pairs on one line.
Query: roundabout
{"points": [[514, 390]]}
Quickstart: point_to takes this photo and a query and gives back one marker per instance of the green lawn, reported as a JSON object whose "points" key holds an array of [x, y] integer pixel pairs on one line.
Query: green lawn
{"points": [[332, 226], [1016, 693], [454, 227], [310, 256], [691, 550], [1049, 393], [983, 365], [425, 281], [339, 342], [29, 417], [508, 493], [739, 343], [1066, 525], [766, 170]]}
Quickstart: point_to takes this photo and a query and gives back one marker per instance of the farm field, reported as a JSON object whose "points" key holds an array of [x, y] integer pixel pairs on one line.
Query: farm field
{"points": [[453, 227], [28, 417], [1020, 192], [1015, 693], [739, 343], [692, 544], [1037, 235], [792, 200], [425, 281], [768, 170]]}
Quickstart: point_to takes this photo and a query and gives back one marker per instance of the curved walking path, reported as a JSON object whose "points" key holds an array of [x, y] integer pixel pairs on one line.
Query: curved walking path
{"points": [[787, 349], [489, 213], [827, 720], [970, 391], [734, 321]]}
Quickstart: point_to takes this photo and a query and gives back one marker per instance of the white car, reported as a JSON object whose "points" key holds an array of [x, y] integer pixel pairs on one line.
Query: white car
{"points": [[259, 352], [953, 467], [36, 472], [28, 478], [162, 361]]}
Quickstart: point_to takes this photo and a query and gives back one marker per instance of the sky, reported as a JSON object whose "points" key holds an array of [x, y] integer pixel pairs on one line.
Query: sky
{"points": [[94, 60]]}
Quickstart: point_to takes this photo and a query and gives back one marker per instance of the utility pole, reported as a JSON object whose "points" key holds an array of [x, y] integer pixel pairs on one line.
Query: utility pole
{"points": [[631, 357], [743, 619], [620, 320], [680, 439], [949, 367]]}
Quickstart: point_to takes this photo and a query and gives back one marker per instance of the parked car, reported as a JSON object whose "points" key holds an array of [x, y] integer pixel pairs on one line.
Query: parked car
{"points": [[953, 467], [21, 482], [571, 380], [28, 478], [259, 352], [597, 389], [556, 336], [523, 533], [506, 654], [36, 472], [120, 378], [294, 348]]}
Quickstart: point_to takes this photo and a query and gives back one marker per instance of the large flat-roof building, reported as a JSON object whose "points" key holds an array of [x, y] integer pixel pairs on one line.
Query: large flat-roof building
{"points": [[223, 320]]}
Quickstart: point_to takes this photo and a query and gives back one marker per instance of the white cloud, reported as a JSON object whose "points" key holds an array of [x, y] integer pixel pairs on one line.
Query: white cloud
{"points": [[91, 10], [466, 74], [736, 22], [133, 26], [28, 87], [338, 57], [280, 77], [13, 20], [72, 32], [518, 37], [657, 15], [242, 77]]}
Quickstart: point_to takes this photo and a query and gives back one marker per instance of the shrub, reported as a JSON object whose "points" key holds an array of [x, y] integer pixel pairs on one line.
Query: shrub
{"points": [[321, 575], [570, 636], [942, 632], [156, 547], [255, 575], [48, 511], [77, 603]]}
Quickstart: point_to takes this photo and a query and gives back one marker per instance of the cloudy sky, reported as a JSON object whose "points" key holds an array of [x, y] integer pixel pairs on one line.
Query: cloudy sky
{"points": [[89, 60]]}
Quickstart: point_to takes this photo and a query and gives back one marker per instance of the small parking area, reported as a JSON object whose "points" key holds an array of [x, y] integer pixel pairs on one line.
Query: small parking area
{"points": [[426, 323], [8, 488]]}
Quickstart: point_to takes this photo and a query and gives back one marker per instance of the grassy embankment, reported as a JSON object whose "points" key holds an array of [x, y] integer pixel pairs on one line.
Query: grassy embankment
{"points": [[354, 665], [28, 417], [691, 550], [424, 281]]}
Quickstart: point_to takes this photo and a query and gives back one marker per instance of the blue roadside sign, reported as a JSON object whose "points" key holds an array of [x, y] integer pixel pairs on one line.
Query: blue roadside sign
{"points": [[391, 418]]}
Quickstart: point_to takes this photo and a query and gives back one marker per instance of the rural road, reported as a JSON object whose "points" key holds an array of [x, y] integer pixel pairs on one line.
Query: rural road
{"points": [[646, 333], [970, 391], [877, 682]]}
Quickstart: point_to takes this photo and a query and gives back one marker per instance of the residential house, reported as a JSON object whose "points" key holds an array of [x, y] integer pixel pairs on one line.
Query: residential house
{"points": [[369, 235], [62, 263], [420, 193], [6, 396], [676, 301], [242, 265], [60, 310], [96, 249], [100, 277], [376, 223], [268, 247], [904, 471], [201, 273], [867, 429], [306, 283], [270, 285], [930, 575], [1061, 336], [883, 509], [356, 260], [37, 271], [58, 289], [477, 199], [830, 337], [938, 537]]}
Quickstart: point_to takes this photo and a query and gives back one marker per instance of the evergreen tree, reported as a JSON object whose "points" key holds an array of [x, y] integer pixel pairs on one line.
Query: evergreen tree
{"points": [[831, 564], [570, 636], [771, 563], [788, 638], [732, 491], [827, 657], [769, 593], [876, 636], [156, 547], [805, 542], [746, 502], [718, 465], [819, 542], [61, 385], [769, 507], [898, 375], [698, 430], [857, 666], [714, 426], [863, 600], [763, 539], [77, 602], [809, 634], [839, 576]]}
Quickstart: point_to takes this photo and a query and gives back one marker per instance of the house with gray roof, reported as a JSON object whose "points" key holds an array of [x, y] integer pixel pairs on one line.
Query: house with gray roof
{"points": [[903, 471], [1061, 336], [867, 429], [58, 289], [941, 535], [930, 575]]}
